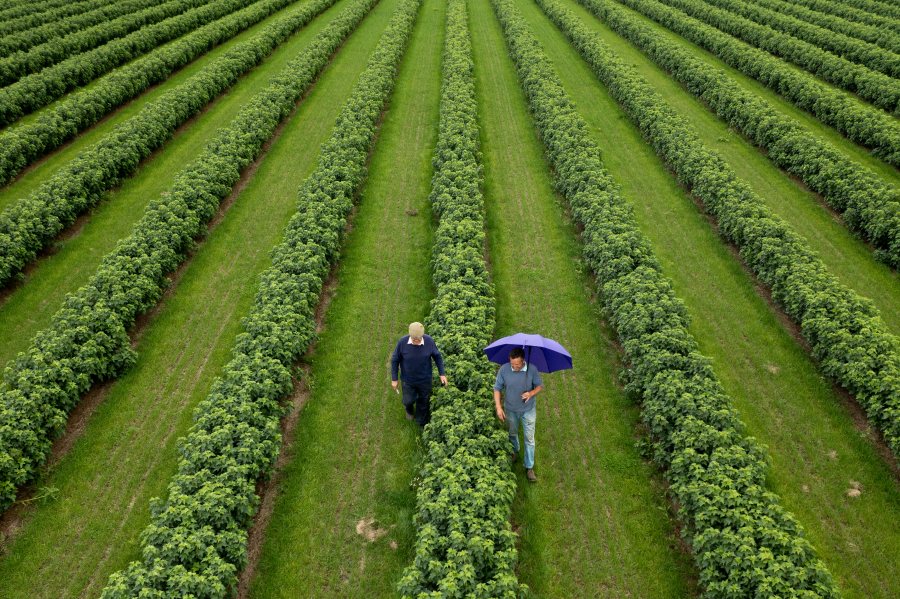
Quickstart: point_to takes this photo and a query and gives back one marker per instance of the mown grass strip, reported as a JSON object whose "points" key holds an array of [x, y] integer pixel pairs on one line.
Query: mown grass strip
{"points": [[128, 447], [31, 224], [39, 89], [869, 205], [197, 539], [845, 333], [342, 518], [873, 86], [465, 546], [26, 40], [28, 140], [858, 121], [762, 364], [748, 544], [596, 522], [88, 340], [13, 68]]}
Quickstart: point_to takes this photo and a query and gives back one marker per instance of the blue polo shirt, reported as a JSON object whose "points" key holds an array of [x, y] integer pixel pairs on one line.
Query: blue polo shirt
{"points": [[515, 384]]}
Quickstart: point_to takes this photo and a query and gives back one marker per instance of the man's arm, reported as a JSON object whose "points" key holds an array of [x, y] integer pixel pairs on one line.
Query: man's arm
{"points": [[395, 365], [439, 362], [499, 406]]}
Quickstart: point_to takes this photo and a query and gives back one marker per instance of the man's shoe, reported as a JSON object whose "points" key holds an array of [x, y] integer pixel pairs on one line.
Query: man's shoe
{"points": [[530, 475], [512, 457], [409, 416]]}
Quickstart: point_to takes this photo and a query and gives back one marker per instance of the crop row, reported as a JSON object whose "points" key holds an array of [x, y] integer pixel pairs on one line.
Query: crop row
{"points": [[32, 223], [33, 14], [196, 542], [744, 543], [844, 331], [877, 88], [860, 52], [87, 340], [861, 123], [874, 6], [22, 144], [14, 67], [854, 13], [464, 544], [885, 39], [39, 89], [24, 40], [869, 205]]}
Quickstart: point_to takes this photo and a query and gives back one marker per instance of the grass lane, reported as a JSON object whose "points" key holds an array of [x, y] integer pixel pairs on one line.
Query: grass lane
{"points": [[846, 256], [355, 453], [127, 453], [30, 306], [595, 524], [776, 388]]}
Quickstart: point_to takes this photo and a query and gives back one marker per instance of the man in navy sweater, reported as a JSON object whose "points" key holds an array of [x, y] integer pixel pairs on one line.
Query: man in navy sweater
{"points": [[412, 358]]}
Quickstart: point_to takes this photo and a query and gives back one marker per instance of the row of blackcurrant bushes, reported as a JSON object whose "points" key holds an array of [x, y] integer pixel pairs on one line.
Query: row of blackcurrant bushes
{"points": [[853, 12], [861, 123], [869, 205], [744, 543], [858, 51], [33, 14], [24, 143], [464, 544], [845, 333], [878, 88], [196, 543], [29, 225], [87, 340], [39, 89], [61, 46]]}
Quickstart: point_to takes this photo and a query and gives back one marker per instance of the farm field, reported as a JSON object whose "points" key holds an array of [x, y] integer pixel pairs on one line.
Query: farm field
{"points": [[202, 283]]}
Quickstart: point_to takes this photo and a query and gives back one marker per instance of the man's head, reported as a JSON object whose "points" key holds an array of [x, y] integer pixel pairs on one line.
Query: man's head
{"points": [[517, 358], [416, 331]]}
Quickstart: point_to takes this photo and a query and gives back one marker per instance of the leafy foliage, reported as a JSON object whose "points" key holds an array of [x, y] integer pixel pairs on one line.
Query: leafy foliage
{"points": [[844, 331], [196, 542], [745, 544], [22, 144], [32, 14], [870, 206], [87, 340], [878, 88], [39, 89], [464, 544], [859, 122], [862, 11], [57, 46], [886, 39], [860, 52], [32, 223]]}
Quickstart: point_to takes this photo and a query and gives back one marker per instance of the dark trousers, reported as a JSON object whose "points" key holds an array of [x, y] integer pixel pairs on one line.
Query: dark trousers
{"points": [[418, 396]]}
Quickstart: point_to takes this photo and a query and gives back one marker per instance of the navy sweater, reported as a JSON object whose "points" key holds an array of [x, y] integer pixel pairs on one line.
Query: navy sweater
{"points": [[414, 361]]}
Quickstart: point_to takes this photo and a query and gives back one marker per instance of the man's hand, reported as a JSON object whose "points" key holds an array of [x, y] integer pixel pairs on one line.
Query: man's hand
{"points": [[394, 385], [526, 396], [443, 380], [501, 414]]}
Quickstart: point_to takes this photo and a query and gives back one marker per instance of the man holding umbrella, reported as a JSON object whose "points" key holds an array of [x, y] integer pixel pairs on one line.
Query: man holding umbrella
{"points": [[520, 379], [522, 382]]}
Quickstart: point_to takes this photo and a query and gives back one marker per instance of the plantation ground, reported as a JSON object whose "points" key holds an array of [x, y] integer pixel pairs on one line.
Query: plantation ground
{"points": [[339, 516]]}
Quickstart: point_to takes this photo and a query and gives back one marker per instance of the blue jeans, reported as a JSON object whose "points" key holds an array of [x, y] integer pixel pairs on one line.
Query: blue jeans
{"points": [[527, 419]]}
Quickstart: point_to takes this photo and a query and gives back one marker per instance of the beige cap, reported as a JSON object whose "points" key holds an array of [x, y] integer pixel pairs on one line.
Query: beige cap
{"points": [[416, 329]]}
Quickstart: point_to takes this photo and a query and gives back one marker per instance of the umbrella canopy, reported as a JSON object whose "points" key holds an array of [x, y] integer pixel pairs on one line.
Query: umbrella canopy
{"points": [[546, 354]]}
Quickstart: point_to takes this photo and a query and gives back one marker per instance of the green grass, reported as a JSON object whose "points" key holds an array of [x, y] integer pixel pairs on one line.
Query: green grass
{"points": [[30, 306], [845, 255], [355, 454], [32, 178], [595, 524], [814, 448], [127, 453]]}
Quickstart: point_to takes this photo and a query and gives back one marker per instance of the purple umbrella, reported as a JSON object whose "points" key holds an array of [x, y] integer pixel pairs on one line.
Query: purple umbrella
{"points": [[546, 354]]}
